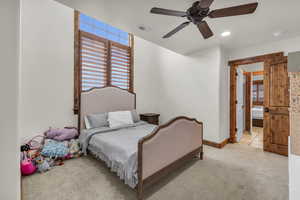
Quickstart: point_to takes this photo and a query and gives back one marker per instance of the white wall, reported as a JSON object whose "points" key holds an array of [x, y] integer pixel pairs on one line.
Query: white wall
{"points": [[294, 176], [9, 86], [294, 164], [173, 85], [224, 98], [146, 66], [189, 85], [47, 35]]}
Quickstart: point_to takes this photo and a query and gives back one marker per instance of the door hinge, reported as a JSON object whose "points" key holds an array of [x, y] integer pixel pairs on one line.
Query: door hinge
{"points": [[236, 102], [236, 129], [236, 74]]}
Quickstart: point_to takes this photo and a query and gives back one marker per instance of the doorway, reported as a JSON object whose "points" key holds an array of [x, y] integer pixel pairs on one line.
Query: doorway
{"points": [[275, 102], [250, 104]]}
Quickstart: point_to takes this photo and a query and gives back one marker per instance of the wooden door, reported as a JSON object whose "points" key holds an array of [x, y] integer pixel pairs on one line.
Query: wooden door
{"points": [[240, 124], [276, 115]]}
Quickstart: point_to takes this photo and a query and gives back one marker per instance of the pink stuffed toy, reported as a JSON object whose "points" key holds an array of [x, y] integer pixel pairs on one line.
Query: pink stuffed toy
{"points": [[61, 134]]}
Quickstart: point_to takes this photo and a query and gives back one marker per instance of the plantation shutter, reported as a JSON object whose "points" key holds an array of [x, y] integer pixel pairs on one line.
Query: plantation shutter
{"points": [[120, 73], [103, 56], [94, 52]]}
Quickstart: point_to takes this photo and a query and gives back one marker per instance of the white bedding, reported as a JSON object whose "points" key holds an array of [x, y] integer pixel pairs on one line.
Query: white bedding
{"points": [[119, 118], [117, 148], [258, 112]]}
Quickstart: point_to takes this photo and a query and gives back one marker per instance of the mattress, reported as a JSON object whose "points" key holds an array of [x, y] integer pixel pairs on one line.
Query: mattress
{"points": [[258, 112], [118, 149]]}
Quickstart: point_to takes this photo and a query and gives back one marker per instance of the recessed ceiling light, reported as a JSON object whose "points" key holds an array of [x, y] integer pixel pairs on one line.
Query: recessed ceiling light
{"points": [[143, 28], [277, 33], [226, 34]]}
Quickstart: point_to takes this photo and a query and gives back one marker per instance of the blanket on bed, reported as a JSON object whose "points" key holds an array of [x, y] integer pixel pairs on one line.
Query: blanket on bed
{"points": [[117, 147]]}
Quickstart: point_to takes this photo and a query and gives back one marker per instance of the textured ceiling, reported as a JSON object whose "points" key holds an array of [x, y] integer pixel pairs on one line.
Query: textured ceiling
{"points": [[271, 16]]}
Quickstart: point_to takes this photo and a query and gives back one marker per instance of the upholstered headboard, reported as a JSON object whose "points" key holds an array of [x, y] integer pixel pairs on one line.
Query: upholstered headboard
{"points": [[107, 99]]}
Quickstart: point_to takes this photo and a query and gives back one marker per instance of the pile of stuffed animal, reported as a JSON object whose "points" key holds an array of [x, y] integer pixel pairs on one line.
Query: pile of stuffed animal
{"points": [[44, 152]]}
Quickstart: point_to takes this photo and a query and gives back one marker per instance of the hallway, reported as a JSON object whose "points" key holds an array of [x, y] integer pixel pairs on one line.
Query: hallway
{"points": [[255, 140]]}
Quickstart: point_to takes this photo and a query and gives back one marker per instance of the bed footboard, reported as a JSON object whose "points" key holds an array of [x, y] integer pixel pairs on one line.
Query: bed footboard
{"points": [[166, 148]]}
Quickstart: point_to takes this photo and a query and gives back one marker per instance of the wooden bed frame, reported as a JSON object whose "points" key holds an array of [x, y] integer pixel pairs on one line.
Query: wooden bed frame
{"points": [[167, 147]]}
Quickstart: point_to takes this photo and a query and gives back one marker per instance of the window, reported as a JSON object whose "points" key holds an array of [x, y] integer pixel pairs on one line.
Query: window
{"points": [[103, 56], [91, 25], [258, 92]]}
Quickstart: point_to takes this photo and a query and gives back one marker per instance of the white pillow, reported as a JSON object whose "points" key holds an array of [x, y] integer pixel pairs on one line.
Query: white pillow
{"points": [[87, 123], [119, 118]]}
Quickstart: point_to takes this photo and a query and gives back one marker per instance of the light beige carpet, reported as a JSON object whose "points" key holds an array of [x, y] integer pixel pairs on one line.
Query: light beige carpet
{"points": [[237, 172]]}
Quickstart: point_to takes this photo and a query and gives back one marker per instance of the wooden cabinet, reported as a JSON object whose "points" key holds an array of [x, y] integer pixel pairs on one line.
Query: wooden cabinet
{"points": [[151, 118]]}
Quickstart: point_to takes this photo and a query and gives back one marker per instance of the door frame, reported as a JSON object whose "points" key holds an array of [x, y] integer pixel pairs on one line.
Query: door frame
{"points": [[248, 121], [234, 64]]}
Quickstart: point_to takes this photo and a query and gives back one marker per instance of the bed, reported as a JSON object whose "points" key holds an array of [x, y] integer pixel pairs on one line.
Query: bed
{"points": [[139, 153], [258, 116]]}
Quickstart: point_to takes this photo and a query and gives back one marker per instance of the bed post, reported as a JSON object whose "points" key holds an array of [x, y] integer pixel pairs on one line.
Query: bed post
{"points": [[201, 153], [140, 192], [140, 188]]}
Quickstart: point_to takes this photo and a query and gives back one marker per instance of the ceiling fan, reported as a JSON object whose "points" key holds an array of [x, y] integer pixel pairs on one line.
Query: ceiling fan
{"points": [[201, 10]]}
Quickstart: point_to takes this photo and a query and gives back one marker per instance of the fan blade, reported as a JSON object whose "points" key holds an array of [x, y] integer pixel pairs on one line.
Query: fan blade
{"points": [[163, 11], [205, 3], [205, 30], [234, 11], [178, 28]]}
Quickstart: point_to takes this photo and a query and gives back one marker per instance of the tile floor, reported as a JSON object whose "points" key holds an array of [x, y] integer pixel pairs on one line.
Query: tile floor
{"points": [[255, 139]]}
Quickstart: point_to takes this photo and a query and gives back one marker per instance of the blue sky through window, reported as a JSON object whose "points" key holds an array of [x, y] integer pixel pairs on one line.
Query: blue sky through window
{"points": [[91, 25]]}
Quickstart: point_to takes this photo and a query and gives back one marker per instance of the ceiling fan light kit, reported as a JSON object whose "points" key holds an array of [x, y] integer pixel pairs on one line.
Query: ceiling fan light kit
{"points": [[199, 11]]}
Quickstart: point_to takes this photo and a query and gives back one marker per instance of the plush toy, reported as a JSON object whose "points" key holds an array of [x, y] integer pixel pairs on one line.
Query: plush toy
{"points": [[54, 149], [43, 165], [61, 134], [74, 147]]}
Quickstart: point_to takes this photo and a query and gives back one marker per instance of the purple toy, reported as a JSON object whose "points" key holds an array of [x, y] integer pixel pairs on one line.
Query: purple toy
{"points": [[61, 134]]}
